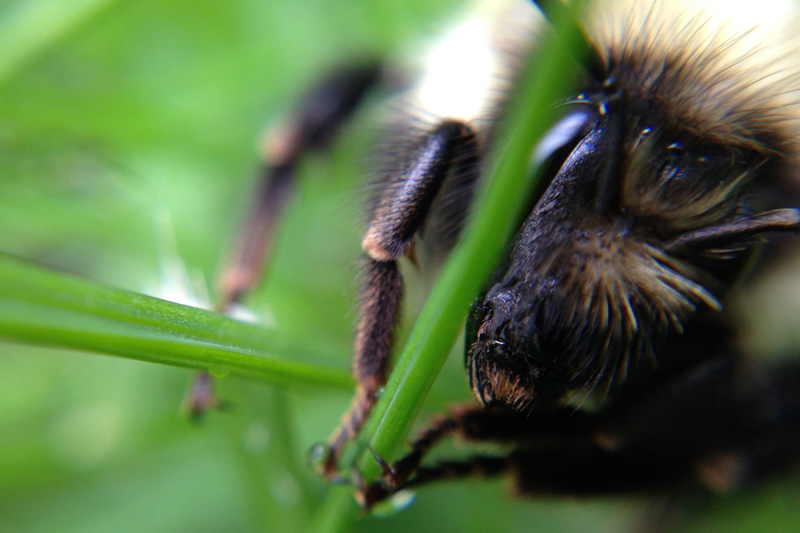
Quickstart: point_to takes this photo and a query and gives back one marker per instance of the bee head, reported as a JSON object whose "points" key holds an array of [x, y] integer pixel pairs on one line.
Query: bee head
{"points": [[677, 132]]}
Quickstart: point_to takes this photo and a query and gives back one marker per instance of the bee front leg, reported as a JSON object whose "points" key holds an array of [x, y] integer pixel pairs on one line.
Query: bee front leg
{"points": [[475, 423]]}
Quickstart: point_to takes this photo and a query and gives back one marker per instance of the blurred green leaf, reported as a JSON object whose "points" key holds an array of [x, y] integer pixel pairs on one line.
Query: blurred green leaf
{"points": [[28, 29]]}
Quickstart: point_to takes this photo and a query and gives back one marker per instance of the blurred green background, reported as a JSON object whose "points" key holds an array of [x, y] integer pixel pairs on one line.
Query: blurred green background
{"points": [[127, 152]]}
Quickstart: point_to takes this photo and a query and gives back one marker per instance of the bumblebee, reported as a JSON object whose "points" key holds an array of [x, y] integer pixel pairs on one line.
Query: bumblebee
{"points": [[604, 348]]}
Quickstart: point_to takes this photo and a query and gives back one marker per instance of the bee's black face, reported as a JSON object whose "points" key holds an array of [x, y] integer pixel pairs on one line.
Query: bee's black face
{"points": [[588, 290]]}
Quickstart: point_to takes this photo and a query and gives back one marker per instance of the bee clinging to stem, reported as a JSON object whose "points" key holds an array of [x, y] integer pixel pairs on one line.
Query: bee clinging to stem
{"points": [[675, 157]]}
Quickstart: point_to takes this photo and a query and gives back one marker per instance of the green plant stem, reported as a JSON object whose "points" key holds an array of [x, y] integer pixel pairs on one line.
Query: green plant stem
{"points": [[38, 306], [490, 231]]}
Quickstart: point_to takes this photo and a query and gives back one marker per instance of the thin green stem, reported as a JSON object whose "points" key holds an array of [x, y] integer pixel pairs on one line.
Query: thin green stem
{"points": [[38, 306], [471, 263]]}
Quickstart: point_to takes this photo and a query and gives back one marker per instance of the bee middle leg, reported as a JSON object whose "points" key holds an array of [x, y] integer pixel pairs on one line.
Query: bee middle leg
{"points": [[449, 148]]}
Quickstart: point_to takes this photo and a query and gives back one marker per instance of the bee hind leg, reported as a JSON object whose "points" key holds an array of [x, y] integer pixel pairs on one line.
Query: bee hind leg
{"points": [[310, 127]]}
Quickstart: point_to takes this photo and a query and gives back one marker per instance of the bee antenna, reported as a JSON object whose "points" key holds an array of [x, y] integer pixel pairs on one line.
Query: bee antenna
{"points": [[563, 17]]}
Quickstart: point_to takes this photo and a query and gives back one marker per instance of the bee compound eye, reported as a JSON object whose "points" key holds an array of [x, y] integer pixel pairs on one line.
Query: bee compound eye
{"points": [[565, 134]]}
